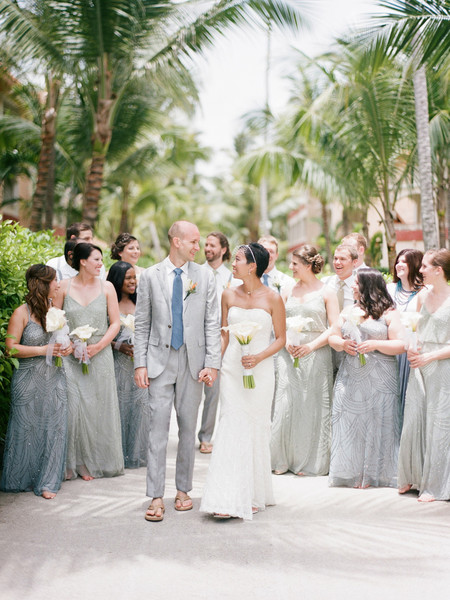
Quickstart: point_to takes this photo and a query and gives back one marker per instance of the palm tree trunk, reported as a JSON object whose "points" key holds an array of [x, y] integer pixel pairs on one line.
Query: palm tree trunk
{"points": [[428, 212], [45, 186], [94, 183], [326, 230], [124, 227], [100, 144]]}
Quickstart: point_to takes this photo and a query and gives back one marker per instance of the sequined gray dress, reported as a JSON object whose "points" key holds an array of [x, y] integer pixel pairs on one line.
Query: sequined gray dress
{"points": [[424, 460], [35, 446], [301, 429], [134, 412], [366, 416], [94, 432]]}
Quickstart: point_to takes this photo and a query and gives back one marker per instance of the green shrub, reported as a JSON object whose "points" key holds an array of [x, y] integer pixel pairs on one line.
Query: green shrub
{"points": [[19, 248]]}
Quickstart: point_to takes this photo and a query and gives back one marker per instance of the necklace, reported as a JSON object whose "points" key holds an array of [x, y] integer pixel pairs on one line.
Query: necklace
{"points": [[403, 297]]}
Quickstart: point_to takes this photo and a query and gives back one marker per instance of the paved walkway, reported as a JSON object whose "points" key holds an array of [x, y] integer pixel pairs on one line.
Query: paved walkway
{"points": [[318, 543]]}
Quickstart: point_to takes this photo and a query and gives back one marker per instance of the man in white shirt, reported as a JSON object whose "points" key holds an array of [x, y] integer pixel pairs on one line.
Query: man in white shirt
{"points": [[344, 263], [78, 232], [217, 251], [359, 243], [272, 277]]}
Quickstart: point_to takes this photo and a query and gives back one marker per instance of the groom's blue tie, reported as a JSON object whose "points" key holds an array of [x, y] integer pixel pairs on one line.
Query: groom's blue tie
{"points": [[265, 279], [177, 310]]}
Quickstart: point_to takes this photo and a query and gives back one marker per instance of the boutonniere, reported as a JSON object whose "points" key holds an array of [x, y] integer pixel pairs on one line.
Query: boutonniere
{"points": [[277, 284], [191, 288]]}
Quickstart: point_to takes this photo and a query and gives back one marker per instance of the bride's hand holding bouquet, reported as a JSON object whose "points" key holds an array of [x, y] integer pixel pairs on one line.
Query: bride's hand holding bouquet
{"points": [[244, 332]]}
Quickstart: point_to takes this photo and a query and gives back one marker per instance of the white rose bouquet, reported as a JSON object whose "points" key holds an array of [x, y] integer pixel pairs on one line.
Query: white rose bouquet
{"points": [[410, 321], [82, 334], [56, 324], [294, 332], [244, 332], [127, 334], [354, 317]]}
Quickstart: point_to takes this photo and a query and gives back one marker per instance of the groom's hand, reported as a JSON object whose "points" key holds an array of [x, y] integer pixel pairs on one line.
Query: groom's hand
{"points": [[208, 376], [141, 377]]}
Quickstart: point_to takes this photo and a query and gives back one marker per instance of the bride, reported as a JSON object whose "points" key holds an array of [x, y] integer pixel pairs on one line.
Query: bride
{"points": [[239, 481]]}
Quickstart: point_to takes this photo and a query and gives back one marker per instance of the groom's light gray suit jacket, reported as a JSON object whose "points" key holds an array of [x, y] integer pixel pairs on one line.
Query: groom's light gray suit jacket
{"points": [[153, 321]]}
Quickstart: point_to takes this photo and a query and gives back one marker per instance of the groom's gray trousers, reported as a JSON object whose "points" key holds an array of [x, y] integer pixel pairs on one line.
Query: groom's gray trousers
{"points": [[176, 387]]}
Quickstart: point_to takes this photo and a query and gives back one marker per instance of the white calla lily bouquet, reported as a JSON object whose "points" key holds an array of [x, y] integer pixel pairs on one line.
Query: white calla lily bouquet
{"points": [[354, 317], [295, 326], [82, 335], [244, 332], [56, 324]]}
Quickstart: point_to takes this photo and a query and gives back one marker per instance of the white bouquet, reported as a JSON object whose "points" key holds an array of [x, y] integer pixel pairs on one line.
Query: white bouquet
{"points": [[82, 334], [354, 317], [244, 332], [56, 324], [127, 334], [410, 321], [294, 331]]}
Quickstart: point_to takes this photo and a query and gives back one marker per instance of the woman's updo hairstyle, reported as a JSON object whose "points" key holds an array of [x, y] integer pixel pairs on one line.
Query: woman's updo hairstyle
{"points": [[440, 258], [309, 256], [117, 247], [82, 251], [255, 253], [39, 278]]}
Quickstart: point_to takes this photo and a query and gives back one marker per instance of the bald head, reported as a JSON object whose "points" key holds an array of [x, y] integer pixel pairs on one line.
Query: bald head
{"points": [[184, 238]]}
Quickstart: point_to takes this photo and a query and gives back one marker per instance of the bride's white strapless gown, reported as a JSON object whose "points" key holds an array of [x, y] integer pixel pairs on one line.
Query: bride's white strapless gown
{"points": [[239, 475]]}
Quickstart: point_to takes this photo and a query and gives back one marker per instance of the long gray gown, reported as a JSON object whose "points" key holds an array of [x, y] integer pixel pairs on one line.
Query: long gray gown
{"points": [[134, 412], [301, 427], [94, 432], [35, 447], [424, 460], [366, 416]]}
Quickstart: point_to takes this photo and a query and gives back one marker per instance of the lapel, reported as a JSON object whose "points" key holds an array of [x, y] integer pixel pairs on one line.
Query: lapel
{"points": [[162, 278], [190, 278]]}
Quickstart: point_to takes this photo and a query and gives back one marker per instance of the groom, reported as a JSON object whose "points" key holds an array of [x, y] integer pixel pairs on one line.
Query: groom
{"points": [[177, 348]]}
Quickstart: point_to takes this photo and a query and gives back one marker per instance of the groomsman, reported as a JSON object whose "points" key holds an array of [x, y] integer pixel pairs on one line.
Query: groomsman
{"points": [[217, 252], [359, 243], [77, 232], [272, 277], [177, 349], [344, 263]]}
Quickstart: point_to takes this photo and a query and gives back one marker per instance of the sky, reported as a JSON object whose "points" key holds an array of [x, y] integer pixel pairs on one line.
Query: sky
{"points": [[232, 74]]}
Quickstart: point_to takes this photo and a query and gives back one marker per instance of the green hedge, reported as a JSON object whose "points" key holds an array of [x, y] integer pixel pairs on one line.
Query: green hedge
{"points": [[19, 248]]}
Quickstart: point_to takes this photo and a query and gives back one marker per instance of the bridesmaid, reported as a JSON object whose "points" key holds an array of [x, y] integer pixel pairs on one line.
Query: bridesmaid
{"points": [[94, 438], [133, 401], [406, 284], [36, 439], [424, 461], [126, 248], [366, 410], [301, 429]]}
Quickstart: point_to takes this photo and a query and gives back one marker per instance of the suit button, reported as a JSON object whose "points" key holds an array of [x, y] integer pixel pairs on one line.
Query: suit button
{"points": [[169, 326], [167, 345]]}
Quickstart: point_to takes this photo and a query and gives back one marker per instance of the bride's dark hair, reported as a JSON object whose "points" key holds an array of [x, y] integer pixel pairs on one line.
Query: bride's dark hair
{"points": [[374, 297], [255, 253]]}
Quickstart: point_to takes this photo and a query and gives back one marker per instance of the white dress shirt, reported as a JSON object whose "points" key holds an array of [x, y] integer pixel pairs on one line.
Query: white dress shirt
{"points": [[65, 271], [278, 281], [333, 282], [223, 278]]}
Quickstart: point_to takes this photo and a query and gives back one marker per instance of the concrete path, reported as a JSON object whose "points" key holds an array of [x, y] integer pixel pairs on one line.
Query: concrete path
{"points": [[318, 543]]}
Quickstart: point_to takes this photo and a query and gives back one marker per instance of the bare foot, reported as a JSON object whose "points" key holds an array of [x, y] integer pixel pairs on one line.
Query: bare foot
{"points": [[279, 471], [183, 502], [48, 495], [300, 473], [426, 498], [404, 489], [254, 510], [222, 516], [84, 473], [69, 474]]}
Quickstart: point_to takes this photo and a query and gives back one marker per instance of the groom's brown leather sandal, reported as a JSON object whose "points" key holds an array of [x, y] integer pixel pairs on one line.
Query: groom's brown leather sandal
{"points": [[179, 503], [206, 447], [155, 508]]}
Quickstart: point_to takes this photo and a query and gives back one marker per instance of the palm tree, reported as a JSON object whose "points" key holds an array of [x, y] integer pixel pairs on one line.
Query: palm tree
{"points": [[421, 29]]}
